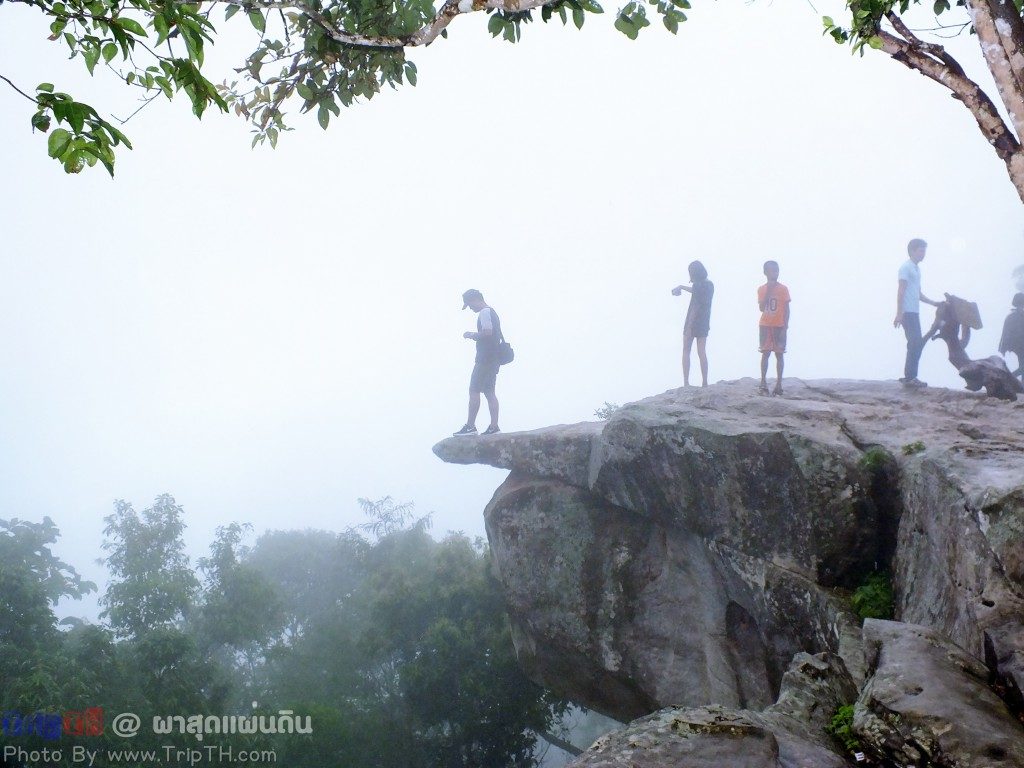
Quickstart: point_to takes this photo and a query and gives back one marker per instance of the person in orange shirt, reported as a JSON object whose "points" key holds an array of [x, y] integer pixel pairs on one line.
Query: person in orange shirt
{"points": [[773, 301]]}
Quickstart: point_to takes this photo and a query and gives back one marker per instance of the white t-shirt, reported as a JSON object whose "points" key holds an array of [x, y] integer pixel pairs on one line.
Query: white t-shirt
{"points": [[911, 272], [484, 322]]}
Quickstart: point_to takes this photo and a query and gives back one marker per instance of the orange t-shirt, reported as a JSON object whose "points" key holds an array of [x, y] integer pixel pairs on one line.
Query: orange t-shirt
{"points": [[774, 313]]}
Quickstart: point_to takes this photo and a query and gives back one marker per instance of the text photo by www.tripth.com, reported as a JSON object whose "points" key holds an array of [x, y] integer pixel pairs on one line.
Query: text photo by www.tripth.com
{"points": [[113, 743]]}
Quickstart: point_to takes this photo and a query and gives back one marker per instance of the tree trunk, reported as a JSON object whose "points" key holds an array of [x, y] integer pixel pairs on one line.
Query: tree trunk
{"points": [[1001, 36]]}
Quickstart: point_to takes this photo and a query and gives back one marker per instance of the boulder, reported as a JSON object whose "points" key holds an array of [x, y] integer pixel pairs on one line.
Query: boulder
{"points": [[708, 737], [683, 551], [928, 703], [789, 734]]}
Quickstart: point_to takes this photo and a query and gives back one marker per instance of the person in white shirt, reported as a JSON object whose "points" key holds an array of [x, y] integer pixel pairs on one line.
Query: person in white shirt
{"points": [[908, 310], [486, 363]]}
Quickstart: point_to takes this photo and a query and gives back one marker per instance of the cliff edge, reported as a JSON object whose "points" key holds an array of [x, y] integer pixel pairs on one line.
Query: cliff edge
{"points": [[684, 552]]}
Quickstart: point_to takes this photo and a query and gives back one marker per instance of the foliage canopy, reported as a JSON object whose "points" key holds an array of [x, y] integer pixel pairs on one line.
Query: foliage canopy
{"points": [[321, 55]]}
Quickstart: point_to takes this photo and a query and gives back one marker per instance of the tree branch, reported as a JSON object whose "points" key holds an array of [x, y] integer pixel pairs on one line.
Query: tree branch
{"points": [[948, 73], [932, 49], [423, 36], [30, 98]]}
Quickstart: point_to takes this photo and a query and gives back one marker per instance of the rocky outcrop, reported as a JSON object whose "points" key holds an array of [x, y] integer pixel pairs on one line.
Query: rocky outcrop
{"points": [[928, 703], [788, 735], [681, 553]]}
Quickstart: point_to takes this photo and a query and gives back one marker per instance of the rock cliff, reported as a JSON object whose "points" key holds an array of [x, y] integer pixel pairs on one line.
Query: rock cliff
{"points": [[684, 552]]}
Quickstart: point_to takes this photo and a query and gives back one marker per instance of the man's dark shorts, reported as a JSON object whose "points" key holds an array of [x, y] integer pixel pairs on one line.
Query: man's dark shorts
{"points": [[483, 378]]}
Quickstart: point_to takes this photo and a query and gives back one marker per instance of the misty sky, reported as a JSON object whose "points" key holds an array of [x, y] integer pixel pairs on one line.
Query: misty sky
{"points": [[269, 335]]}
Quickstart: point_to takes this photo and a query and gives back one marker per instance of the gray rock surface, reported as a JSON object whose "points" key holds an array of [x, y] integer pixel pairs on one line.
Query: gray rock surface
{"points": [[928, 703], [707, 737], [682, 552], [789, 734]]}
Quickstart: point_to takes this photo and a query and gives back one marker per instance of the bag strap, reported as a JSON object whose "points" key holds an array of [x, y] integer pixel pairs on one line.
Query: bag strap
{"points": [[501, 333]]}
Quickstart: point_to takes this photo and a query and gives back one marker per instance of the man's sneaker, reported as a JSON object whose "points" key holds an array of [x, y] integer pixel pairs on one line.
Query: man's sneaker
{"points": [[914, 383], [491, 430], [467, 430]]}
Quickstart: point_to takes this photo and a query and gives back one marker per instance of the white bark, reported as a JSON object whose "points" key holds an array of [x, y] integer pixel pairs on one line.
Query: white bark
{"points": [[934, 62], [1001, 36]]}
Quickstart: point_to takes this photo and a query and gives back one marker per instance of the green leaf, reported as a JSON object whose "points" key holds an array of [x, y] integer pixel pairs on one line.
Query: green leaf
{"points": [[165, 86], [495, 24], [58, 142], [258, 21], [162, 27], [109, 52], [92, 56], [671, 24], [41, 122], [304, 91], [117, 136], [74, 163], [131, 25], [47, 87], [875, 42], [324, 116], [231, 11], [410, 73], [76, 116], [625, 26], [578, 17]]}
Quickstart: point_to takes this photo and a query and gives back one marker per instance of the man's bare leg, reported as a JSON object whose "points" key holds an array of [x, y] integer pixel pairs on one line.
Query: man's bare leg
{"points": [[492, 407], [764, 371], [474, 408], [779, 365], [702, 355]]}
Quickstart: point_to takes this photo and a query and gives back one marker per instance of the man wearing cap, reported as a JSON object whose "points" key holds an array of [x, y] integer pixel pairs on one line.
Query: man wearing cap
{"points": [[485, 368]]}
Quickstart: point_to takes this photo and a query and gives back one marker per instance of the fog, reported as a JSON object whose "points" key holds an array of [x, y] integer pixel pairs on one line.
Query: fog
{"points": [[270, 335]]}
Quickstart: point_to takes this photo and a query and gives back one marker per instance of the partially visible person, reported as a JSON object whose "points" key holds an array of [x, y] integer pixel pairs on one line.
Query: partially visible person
{"points": [[773, 301], [908, 310], [486, 363], [1012, 339], [698, 319]]}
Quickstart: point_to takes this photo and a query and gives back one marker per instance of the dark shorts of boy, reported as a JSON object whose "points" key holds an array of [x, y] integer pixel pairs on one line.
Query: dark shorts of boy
{"points": [[697, 329], [772, 339], [484, 377]]}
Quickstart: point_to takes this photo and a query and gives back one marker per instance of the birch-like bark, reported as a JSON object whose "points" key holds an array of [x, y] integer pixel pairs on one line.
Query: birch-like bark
{"points": [[934, 62], [1001, 38]]}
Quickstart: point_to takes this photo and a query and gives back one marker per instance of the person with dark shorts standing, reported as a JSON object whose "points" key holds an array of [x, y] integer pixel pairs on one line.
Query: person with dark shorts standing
{"points": [[698, 319], [773, 301], [485, 368], [908, 310]]}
